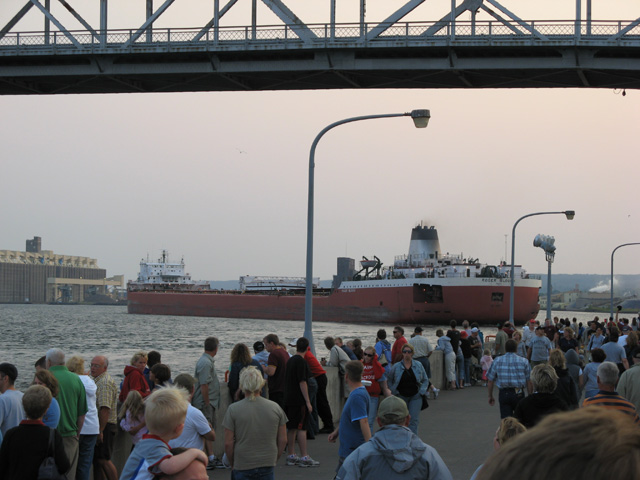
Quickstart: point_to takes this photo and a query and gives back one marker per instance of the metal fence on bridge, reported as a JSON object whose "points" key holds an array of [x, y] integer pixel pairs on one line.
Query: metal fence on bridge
{"points": [[481, 33]]}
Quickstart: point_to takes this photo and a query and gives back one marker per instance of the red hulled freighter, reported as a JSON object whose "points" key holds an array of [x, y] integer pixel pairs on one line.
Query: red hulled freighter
{"points": [[423, 287]]}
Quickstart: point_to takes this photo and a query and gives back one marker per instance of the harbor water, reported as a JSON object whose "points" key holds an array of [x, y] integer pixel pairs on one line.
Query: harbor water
{"points": [[28, 331]]}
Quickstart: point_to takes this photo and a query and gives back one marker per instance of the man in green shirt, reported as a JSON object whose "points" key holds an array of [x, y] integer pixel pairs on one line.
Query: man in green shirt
{"points": [[501, 341], [206, 396], [72, 399]]}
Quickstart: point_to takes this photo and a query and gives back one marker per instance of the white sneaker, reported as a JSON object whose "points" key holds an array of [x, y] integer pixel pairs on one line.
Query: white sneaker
{"points": [[293, 460], [436, 391], [307, 461]]}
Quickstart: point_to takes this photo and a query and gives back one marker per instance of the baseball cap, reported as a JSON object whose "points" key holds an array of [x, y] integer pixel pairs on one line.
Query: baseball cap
{"points": [[418, 330], [533, 320], [9, 370], [463, 334], [293, 342], [474, 330], [392, 410], [258, 346]]}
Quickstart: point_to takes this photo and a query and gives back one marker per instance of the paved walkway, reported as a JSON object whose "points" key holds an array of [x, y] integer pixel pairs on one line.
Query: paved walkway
{"points": [[460, 425]]}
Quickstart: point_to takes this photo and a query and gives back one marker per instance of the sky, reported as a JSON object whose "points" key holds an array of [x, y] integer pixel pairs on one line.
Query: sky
{"points": [[220, 179]]}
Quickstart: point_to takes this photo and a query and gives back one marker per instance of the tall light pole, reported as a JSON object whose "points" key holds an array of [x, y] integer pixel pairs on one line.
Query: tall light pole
{"points": [[568, 213], [614, 251], [420, 120], [547, 243]]}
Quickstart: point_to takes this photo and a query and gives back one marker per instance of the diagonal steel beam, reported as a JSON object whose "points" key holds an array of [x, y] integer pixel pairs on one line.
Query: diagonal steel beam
{"points": [[211, 22], [467, 5], [393, 18], [291, 20], [78, 17], [11, 23], [518, 20], [21, 84], [618, 35], [505, 22], [148, 22], [55, 21]]}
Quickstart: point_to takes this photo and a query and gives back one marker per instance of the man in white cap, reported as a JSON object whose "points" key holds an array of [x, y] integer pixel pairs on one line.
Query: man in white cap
{"points": [[394, 451]]}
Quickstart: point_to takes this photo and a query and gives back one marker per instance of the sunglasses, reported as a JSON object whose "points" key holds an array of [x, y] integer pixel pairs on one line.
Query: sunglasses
{"points": [[407, 351], [368, 354]]}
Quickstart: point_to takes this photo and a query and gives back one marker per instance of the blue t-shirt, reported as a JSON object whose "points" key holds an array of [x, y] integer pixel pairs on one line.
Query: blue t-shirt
{"points": [[52, 417], [540, 347], [11, 411], [144, 461], [615, 353], [356, 408]]}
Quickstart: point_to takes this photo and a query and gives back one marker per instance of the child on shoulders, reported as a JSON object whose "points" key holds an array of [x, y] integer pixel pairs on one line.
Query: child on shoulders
{"points": [[165, 414]]}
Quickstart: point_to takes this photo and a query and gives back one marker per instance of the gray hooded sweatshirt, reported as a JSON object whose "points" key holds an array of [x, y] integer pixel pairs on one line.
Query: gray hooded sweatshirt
{"points": [[394, 452]]}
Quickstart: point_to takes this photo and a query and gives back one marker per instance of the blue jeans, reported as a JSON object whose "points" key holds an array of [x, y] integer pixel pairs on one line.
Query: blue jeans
{"points": [[373, 411], [509, 399], [590, 393], [467, 371], [85, 456], [459, 367], [414, 404], [260, 473]]}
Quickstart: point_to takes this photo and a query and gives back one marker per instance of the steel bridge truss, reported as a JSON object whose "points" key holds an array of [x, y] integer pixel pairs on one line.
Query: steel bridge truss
{"points": [[495, 48]]}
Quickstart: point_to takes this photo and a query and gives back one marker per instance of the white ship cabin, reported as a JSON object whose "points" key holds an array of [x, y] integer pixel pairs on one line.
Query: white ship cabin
{"points": [[447, 266], [163, 272], [426, 260], [434, 266]]}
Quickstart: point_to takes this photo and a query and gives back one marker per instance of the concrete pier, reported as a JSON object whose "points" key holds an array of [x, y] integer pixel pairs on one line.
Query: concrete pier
{"points": [[460, 425]]}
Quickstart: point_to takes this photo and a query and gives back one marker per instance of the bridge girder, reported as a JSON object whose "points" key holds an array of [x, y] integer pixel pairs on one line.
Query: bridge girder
{"points": [[326, 69], [496, 49]]}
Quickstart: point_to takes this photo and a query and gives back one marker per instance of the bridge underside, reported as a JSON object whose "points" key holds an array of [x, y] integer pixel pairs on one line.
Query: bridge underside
{"points": [[291, 69]]}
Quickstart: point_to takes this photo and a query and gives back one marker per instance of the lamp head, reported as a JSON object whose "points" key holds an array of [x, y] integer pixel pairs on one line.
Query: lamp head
{"points": [[420, 118], [546, 242], [570, 214]]}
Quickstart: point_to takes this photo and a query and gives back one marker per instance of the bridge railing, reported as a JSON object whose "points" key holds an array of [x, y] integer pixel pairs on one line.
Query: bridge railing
{"points": [[339, 35]]}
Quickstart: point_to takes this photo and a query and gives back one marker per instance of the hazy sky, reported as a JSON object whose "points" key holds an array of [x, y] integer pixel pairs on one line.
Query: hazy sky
{"points": [[221, 178]]}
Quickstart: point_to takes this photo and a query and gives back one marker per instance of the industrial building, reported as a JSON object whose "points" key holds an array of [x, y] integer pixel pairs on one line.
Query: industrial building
{"points": [[41, 276]]}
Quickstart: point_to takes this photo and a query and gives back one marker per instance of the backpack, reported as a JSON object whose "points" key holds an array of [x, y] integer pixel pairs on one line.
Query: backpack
{"points": [[48, 469], [384, 358], [341, 356]]}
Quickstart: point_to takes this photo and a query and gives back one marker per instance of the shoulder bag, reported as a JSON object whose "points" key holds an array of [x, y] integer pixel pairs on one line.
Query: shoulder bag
{"points": [[48, 469]]}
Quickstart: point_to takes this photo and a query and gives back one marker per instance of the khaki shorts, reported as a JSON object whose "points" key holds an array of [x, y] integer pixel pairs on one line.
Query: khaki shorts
{"points": [[210, 414]]}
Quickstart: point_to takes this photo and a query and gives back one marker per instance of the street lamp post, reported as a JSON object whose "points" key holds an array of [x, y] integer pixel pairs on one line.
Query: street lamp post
{"points": [[547, 243], [568, 213], [611, 286], [420, 120]]}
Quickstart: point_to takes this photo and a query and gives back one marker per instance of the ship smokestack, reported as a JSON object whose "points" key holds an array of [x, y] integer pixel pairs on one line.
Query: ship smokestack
{"points": [[424, 247]]}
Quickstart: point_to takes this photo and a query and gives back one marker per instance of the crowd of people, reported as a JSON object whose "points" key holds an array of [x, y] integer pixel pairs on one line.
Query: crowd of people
{"points": [[563, 366], [70, 414]]}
